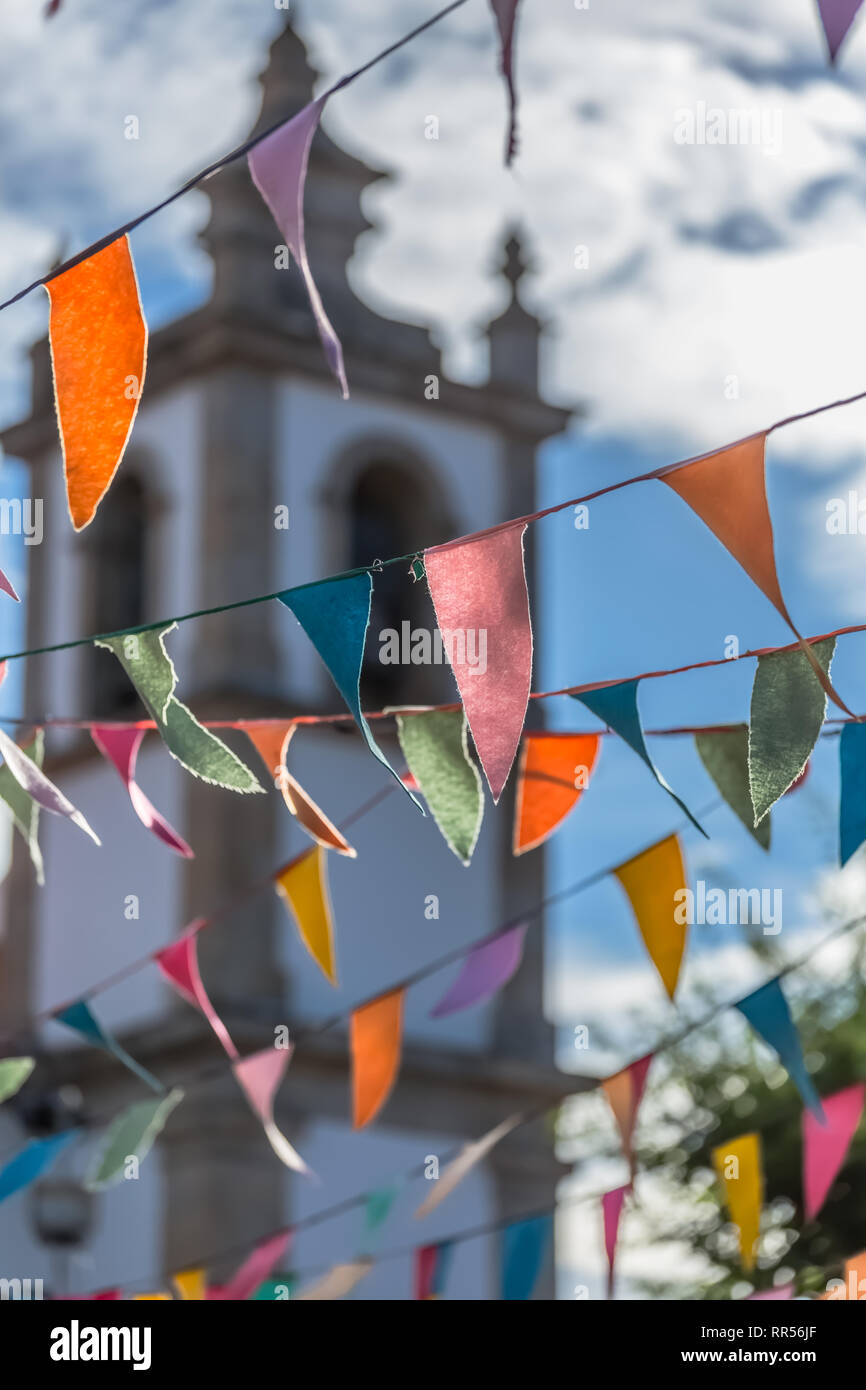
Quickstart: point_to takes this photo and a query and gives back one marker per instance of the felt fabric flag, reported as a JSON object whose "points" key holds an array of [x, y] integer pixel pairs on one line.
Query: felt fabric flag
{"points": [[179, 965], [33, 781], [271, 742], [852, 801], [145, 660], [787, 712], [624, 1091], [435, 747], [460, 1167], [25, 811], [523, 1246], [335, 616], [432, 1266], [132, 1133], [738, 1166], [151, 1297], [375, 1042], [825, 1145], [7, 587], [506, 18], [14, 1071], [278, 165], [32, 1161], [552, 775], [259, 1077], [339, 1281], [191, 1285], [837, 16], [481, 602], [785, 1291], [725, 755], [303, 885], [99, 354], [768, 1013], [278, 1289], [80, 1018], [120, 747], [611, 1211], [484, 971], [377, 1209], [255, 1269], [616, 706], [655, 884]]}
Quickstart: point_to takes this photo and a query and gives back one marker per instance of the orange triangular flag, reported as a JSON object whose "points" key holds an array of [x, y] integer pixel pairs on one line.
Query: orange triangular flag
{"points": [[655, 884], [98, 352], [304, 885], [624, 1091], [191, 1284], [271, 742], [375, 1038], [553, 773]]}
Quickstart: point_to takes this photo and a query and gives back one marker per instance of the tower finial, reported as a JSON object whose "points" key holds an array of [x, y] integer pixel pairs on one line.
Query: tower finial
{"points": [[514, 335]]}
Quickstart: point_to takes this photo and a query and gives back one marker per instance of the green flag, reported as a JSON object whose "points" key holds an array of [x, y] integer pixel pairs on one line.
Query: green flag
{"points": [[435, 747], [788, 705]]}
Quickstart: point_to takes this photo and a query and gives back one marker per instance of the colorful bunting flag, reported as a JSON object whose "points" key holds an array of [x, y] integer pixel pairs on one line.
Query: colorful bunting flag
{"points": [[179, 965], [460, 1167], [271, 742], [785, 1291], [837, 16], [738, 1166], [14, 1071], [120, 747], [852, 800], [432, 1267], [32, 779], [481, 602], [130, 1135], [335, 616], [255, 1269], [145, 660], [191, 1285], [624, 1091], [303, 885], [825, 1145], [435, 746], [523, 1247], [25, 811], [506, 17], [80, 1018], [655, 884], [377, 1209], [616, 706], [484, 971], [725, 755], [99, 354], [375, 1042], [611, 1212], [552, 775], [259, 1077], [32, 1161], [787, 712], [768, 1013], [278, 165], [339, 1281]]}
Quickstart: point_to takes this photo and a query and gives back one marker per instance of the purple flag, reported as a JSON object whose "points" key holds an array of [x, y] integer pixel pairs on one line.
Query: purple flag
{"points": [[506, 18], [837, 16], [786, 1291], [485, 970]]}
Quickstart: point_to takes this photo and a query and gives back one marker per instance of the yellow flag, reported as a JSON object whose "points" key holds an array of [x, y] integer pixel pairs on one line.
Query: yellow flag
{"points": [[304, 886], [654, 882], [738, 1165], [191, 1284], [150, 1297]]}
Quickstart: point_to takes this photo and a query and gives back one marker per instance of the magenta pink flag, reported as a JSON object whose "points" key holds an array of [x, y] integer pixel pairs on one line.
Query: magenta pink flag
{"points": [[478, 588], [259, 1077], [255, 1270], [485, 970], [611, 1207], [506, 18], [786, 1291], [179, 965], [121, 747], [278, 165], [825, 1146], [837, 16], [7, 588]]}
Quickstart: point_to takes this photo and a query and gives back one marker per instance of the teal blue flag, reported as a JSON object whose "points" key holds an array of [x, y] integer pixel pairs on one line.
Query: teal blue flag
{"points": [[768, 1013], [79, 1016], [523, 1247], [31, 1162]]}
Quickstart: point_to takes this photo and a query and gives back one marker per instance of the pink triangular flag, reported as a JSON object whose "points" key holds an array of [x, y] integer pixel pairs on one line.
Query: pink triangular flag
{"points": [[255, 1270], [478, 588], [120, 747], [7, 588], [837, 16], [767, 1295], [825, 1146], [179, 965], [259, 1077], [278, 165], [611, 1207], [506, 17]]}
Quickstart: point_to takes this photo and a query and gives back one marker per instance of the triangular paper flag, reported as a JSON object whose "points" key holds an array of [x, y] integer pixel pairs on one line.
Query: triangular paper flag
{"points": [[738, 1165], [79, 1017], [191, 1284], [624, 1091], [179, 964], [460, 1167], [32, 1161], [479, 594], [725, 755], [335, 616], [303, 884], [616, 706], [825, 1145], [377, 1209], [278, 165], [120, 746], [506, 16], [131, 1134], [786, 715], [485, 970], [768, 1013], [32, 779], [14, 1071], [655, 884], [611, 1211], [432, 1265], [25, 811], [435, 747], [552, 775], [785, 1291], [523, 1247], [375, 1043], [337, 1282], [271, 742], [255, 1269], [259, 1077], [98, 353], [852, 801], [837, 16], [151, 670]]}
